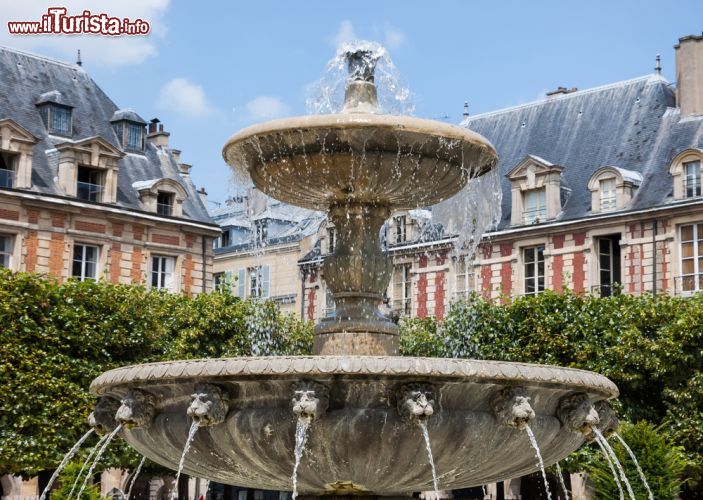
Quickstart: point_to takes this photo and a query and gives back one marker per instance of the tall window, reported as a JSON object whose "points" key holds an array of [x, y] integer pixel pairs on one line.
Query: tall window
{"points": [[164, 203], [331, 239], [219, 282], [608, 196], [85, 262], [330, 305], [692, 179], [692, 258], [7, 170], [401, 234], [534, 270], [464, 278], [535, 206], [5, 250], [90, 184], [135, 134], [162, 268], [402, 289], [224, 240], [259, 283], [608, 263], [59, 120]]}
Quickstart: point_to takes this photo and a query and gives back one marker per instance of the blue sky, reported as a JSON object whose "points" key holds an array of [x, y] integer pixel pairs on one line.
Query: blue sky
{"points": [[211, 68]]}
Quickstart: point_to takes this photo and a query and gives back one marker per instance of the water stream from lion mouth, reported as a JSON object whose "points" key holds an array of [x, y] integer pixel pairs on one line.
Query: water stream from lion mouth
{"points": [[301, 436], [134, 478], [98, 456], [538, 455], [605, 446], [650, 495], [430, 458], [189, 440], [64, 462]]}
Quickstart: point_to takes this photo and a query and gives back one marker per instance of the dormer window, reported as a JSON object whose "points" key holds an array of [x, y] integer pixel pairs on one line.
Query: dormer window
{"points": [[56, 113], [612, 188], [130, 129], [686, 172], [90, 184], [164, 203], [535, 202], [261, 231], [536, 191], [692, 179], [608, 196], [7, 170], [401, 234]]}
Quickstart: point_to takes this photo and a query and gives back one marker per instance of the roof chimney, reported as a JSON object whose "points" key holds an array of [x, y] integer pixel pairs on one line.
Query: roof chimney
{"points": [[156, 134], [689, 75], [79, 62], [658, 66], [184, 169], [561, 90], [466, 109]]}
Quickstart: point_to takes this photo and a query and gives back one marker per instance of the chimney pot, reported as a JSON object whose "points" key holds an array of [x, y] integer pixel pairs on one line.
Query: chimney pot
{"points": [[176, 154], [156, 134]]}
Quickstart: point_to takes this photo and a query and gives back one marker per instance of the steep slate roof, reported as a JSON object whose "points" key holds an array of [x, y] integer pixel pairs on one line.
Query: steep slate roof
{"points": [[631, 125], [27, 78]]}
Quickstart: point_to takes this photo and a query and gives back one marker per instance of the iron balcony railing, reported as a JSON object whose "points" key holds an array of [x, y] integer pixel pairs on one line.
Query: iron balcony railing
{"points": [[89, 191], [7, 178]]}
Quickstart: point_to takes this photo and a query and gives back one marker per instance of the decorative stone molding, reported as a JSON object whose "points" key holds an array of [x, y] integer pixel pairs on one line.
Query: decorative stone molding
{"points": [[149, 192], [677, 171], [16, 140], [137, 410], [511, 406], [530, 174], [310, 400], [577, 413], [102, 418], [209, 405], [93, 152], [626, 183], [415, 402]]}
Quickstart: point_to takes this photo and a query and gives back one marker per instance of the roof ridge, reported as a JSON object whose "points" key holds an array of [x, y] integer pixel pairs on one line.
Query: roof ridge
{"points": [[42, 58], [570, 95]]}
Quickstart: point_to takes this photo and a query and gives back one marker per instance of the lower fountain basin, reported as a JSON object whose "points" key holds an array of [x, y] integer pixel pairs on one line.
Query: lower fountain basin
{"points": [[361, 443]]}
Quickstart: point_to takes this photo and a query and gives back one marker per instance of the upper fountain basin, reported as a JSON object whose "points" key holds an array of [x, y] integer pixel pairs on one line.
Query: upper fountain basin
{"points": [[321, 160]]}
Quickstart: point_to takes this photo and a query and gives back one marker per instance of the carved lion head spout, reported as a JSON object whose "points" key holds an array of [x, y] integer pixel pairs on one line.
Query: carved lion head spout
{"points": [[102, 418], [209, 405], [137, 410], [416, 402], [609, 421], [310, 400], [511, 406], [577, 413]]}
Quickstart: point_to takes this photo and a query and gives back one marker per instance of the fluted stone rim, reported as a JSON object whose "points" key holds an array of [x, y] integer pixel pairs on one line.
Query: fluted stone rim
{"points": [[458, 370]]}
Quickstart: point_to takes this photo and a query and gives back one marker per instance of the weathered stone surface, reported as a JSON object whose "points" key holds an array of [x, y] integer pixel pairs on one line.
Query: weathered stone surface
{"points": [[361, 439]]}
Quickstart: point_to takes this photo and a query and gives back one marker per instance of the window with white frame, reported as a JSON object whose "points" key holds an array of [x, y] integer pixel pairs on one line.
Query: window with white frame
{"points": [[692, 258], [402, 289], [535, 206], [135, 136], [259, 282], [608, 195], [7, 170], [533, 260], [6, 244], [85, 262], [330, 305], [90, 184], [261, 231], [162, 272], [692, 179], [464, 278], [401, 234], [164, 203]]}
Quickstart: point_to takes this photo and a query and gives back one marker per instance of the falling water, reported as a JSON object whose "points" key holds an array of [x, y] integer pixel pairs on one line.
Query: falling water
{"points": [[85, 464], [63, 463], [612, 467], [650, 496], [428, 447], [561, 482], [615, 460], [97, 459], [191, 434], [301, 436], [538, 455], [134, 477]]}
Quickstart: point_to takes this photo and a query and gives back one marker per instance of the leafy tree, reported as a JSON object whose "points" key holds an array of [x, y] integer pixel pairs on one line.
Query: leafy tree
{"points": [[67, 479]]}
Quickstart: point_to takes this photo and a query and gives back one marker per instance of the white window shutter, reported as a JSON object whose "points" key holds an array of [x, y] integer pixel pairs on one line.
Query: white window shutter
{"points": [[241, 283], [265, 282], [170, 280]]}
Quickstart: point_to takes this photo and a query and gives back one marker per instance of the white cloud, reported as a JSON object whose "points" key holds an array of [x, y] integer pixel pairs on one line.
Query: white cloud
{"points": [[184, 97], [393, 37], [266, 107], [96, 50], [345, 34]]}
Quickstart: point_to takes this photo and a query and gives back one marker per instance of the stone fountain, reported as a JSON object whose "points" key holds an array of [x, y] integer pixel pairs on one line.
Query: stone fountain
{"points": [[363, 402]]}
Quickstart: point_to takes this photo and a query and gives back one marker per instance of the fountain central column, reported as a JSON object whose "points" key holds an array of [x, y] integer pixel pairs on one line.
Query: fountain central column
{"points": [[358, 273]]}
